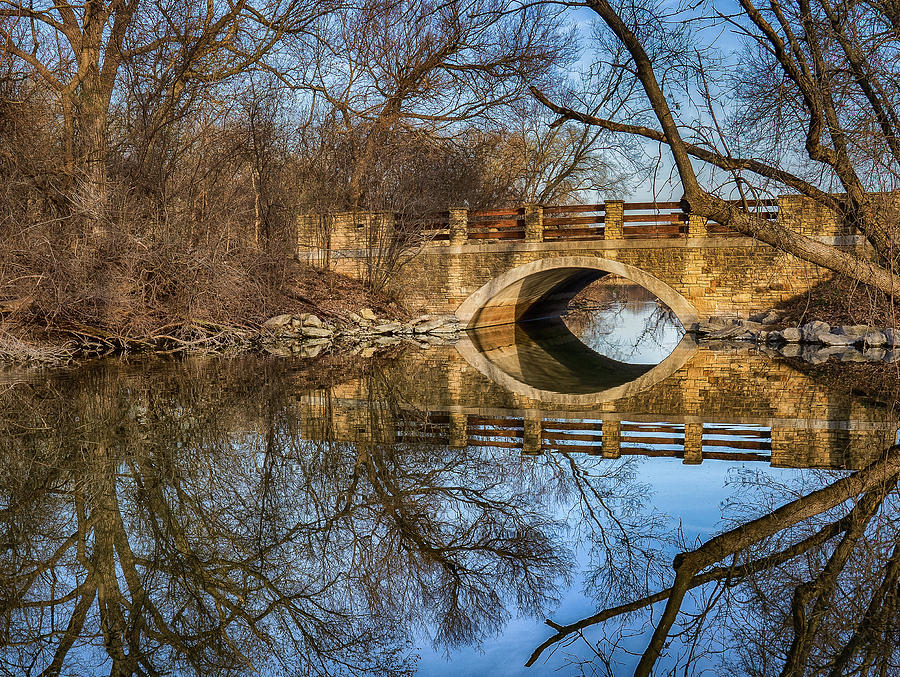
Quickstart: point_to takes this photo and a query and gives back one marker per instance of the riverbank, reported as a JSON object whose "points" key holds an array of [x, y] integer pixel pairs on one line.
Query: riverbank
{"points": [[225, 319]]}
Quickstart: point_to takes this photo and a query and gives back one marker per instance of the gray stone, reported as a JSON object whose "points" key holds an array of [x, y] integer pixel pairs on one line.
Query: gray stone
{"points": [[874, 339], [791, 334], [446, 329], [830, 339], [746, 336], [892, 356], [892, 337], [726, 332], [420, 319], [387, 341], [277, 322], [317, 332], [386, 328], [310, 320], [354, 318], [427, 327], [368, 314], [811, 331]]}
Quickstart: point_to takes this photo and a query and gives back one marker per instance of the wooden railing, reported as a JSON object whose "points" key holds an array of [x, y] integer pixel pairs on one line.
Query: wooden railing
{"points": [[611, 220], [712, 441]]}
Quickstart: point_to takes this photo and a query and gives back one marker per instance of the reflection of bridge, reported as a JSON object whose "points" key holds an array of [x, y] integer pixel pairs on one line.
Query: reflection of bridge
{"points": [[714, 405], [492, 267]]}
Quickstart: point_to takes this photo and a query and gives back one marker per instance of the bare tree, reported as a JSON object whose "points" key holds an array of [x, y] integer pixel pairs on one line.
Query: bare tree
{"points": [[79, 54], [820, 78]]}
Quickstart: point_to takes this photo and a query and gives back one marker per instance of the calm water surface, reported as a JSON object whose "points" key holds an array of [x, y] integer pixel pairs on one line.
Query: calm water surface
{"points": [[426, 512]]}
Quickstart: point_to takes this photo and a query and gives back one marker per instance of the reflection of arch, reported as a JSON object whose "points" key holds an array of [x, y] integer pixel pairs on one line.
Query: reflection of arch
{"points": [[544, 288], [498, 363]]}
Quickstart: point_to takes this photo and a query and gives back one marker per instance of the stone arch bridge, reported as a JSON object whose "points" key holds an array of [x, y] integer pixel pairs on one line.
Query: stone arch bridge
{"points": [[493, 267]]}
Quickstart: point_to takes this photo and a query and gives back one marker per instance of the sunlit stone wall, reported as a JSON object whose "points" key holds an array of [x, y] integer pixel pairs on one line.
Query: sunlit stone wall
{"points": [[715, 274]]}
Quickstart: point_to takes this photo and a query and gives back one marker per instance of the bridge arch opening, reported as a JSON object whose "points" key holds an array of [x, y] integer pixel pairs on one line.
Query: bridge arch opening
{"points": [[543, 289]]}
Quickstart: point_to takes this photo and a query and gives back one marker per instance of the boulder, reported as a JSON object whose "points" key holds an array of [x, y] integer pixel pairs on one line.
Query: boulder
{"points": [[892, 337], [277, 322], [892, 356], [386, 328], [829, 339], [791, 334], [874, 339], [317, 332], [310, 320], [811, 331], [427, 327], [368, 314], [712, 324], [726, 332]]}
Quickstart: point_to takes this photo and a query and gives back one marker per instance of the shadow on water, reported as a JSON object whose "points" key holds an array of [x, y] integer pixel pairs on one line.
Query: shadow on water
{"points": [[546, 355]]}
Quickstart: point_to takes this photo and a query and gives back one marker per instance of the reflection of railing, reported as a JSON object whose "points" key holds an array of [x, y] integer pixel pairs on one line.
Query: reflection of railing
{"points": [[613, 438], [602, 221]]}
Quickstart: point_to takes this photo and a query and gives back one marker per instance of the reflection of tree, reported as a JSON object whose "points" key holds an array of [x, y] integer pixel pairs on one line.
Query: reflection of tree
{"points": [[607, 308], [811, 586], [173, 519]]}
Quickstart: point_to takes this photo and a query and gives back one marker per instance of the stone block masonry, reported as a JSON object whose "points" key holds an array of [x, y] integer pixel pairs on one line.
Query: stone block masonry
{"points": [[698, 271]]}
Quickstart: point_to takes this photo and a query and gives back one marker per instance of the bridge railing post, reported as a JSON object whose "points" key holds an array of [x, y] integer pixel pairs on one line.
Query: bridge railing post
{"points": [[532, 431], [614, 219], [611, 438], [459, 226], [693, 443], [534, 223], [459, 430]]}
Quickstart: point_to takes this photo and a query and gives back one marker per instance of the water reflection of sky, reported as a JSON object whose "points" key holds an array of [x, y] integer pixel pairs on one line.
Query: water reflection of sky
{"points": [[637, 332], [691, 496]]}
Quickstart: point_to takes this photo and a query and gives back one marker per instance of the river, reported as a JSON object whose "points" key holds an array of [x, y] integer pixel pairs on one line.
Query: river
{"points": [[423, 511]]}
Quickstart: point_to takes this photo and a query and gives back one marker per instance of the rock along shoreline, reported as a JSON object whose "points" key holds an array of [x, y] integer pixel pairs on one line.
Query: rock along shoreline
{"points": [[363, 333], [815, 342]]}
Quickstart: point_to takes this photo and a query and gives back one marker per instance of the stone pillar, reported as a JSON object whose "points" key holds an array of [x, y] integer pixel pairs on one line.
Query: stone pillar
{"points": [[534, 223], [611, 446], [693, 443], [459, 430], [696, 226], [533, 425], [459, 226], [613, 220]]}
